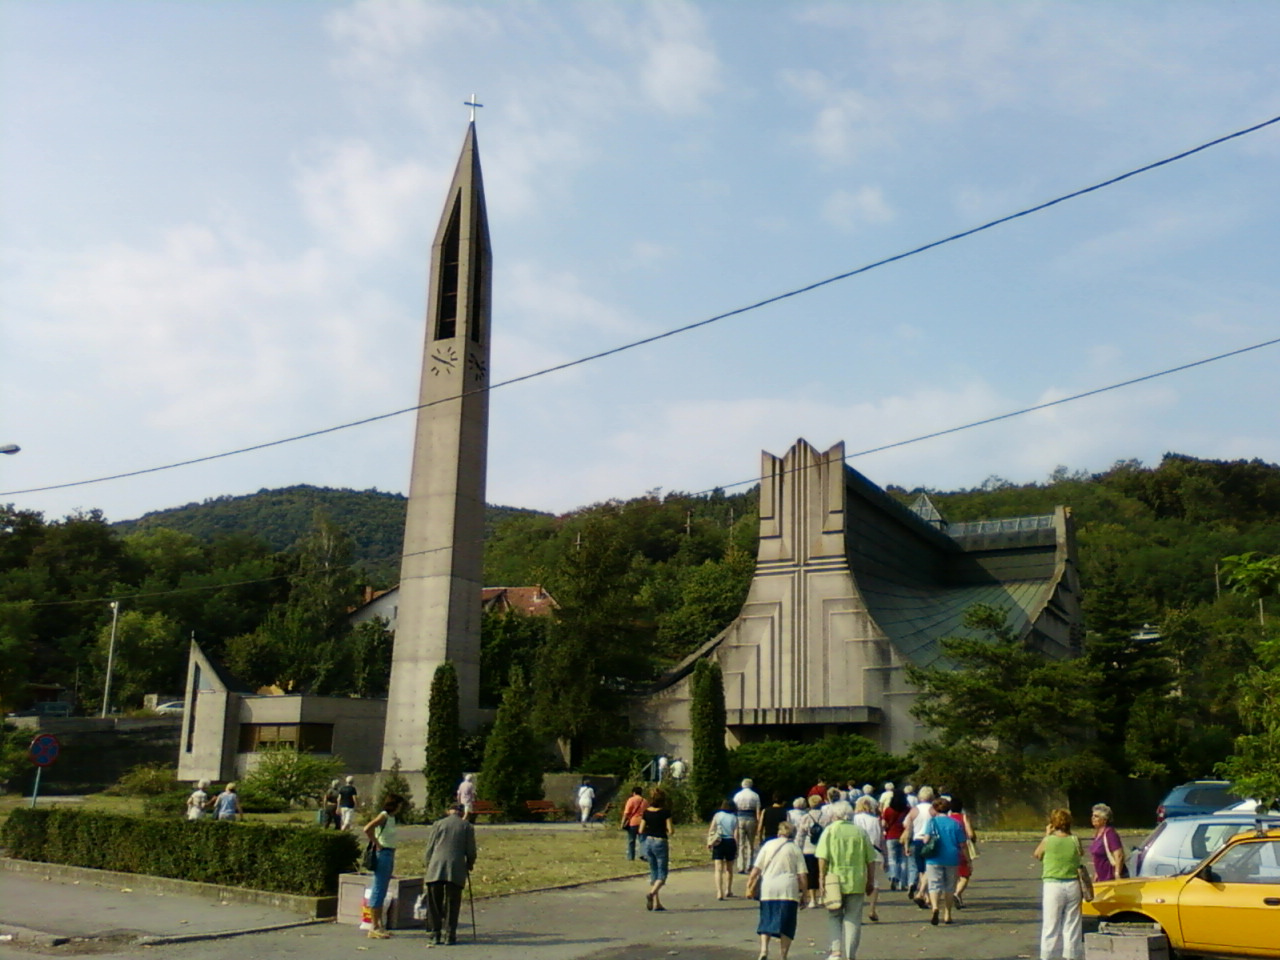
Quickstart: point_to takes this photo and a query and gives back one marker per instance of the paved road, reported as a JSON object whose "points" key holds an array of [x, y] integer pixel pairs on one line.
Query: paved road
{"points": [[602, 921]]}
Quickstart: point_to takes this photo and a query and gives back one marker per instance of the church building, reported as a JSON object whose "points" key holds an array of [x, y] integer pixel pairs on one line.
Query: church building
{"points": [[850, 587]]}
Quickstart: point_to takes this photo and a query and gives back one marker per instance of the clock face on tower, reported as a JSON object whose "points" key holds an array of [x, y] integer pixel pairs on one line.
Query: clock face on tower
{"points": [[477, 367], [443, 360]]}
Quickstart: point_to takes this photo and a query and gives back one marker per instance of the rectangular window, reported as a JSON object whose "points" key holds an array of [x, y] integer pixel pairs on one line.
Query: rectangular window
{"points": [[447, 295], [308, 737]]}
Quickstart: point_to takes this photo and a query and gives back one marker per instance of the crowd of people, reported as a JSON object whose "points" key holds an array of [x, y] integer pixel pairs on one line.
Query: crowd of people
{"points": [[838, 846], [831, 847]]}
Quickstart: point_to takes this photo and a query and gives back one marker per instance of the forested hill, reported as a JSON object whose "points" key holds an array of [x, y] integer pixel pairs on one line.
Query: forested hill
{"points": [[1152, 535], [373, 519]]}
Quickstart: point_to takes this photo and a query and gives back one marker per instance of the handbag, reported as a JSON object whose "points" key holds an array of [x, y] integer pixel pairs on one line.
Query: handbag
{"points": [[930, 845], [713, 835], [757, 872], [422, 907], [1086, 884], [832, 897], [370, 859]]}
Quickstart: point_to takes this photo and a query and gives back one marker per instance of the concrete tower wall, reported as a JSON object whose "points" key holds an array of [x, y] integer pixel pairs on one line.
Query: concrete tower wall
{"points": [[441, 573]]}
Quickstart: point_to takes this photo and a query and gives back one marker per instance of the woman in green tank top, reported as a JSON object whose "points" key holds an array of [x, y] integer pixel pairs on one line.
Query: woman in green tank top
{"points": [[1061, 931]]}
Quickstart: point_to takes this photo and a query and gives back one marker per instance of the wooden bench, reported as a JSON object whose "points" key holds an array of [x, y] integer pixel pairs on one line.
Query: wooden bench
{"points": [[540, 808], [482, 808]]}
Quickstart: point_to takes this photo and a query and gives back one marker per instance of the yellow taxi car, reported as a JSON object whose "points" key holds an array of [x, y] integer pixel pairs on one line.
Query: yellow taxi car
{"points": [[1226, 906]]}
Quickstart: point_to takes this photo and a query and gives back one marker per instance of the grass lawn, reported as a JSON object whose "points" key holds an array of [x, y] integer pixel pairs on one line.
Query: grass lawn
{"points": [[515, 860], [511, 860]]}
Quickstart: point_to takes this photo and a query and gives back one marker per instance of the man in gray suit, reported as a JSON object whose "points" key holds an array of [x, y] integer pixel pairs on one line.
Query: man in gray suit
{"points": [[451, 853]]}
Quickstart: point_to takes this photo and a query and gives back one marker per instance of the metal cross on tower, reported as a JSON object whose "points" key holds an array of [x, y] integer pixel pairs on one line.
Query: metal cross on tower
{"points": [[472, 104]]}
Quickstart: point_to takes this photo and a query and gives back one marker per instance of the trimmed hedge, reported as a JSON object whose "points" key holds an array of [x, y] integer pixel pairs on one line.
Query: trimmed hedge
{"points": [[258, 856]]}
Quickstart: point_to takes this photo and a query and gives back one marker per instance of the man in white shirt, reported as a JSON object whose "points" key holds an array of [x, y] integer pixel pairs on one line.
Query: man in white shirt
{"points": [[747, 803]]}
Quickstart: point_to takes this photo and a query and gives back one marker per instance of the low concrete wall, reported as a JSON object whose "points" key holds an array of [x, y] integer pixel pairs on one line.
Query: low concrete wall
{"points": [[319, 908]]}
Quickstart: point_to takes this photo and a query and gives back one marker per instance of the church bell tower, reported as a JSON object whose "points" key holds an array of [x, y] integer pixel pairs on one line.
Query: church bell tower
{"points": [[441, 573]]}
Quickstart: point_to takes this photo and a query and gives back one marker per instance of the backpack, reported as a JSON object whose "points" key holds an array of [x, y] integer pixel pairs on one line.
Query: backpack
{"points": [[815, 830]]}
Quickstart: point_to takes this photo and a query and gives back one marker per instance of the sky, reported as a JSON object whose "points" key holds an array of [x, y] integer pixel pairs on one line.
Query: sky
{"points": [[216, 218]]}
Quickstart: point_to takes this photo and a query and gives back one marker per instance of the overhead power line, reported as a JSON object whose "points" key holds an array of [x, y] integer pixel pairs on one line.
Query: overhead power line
{"points": [[736, 483], [678, 330]]}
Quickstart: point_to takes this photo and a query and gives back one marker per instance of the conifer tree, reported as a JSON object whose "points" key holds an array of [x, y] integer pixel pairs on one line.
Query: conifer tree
{"points": [[512, 770], [443, 768], [709, 772]]}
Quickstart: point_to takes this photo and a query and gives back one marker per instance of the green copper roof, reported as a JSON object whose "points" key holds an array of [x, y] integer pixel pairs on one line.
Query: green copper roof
{"points": [[915, 619]]}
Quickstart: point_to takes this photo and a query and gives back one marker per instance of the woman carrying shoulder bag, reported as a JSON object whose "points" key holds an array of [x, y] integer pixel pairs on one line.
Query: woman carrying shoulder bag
{"points": [[724, 848], [779, 878]]}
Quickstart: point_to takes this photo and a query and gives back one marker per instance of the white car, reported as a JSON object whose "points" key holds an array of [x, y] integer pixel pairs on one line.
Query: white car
{"points": [[174, 708], [1180, 843]]}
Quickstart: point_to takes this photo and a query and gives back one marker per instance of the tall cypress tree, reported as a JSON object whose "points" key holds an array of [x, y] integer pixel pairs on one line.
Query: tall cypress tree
{"points": [[443, 768], [512, 770], [709, 772]]}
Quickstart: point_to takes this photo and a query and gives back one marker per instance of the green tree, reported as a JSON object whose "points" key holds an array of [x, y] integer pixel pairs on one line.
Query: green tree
{"points": [[17, 636], [443, 767], [1254, 766], [1253, 575], [512, 768], [150, 657], [291, 775], [709, 770], [509, 640], [1004, 716], [299, 647], [709, 597], [369, 647]]}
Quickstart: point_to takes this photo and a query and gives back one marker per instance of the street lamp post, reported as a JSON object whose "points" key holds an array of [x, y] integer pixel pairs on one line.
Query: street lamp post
{"points": [[111, 656]]}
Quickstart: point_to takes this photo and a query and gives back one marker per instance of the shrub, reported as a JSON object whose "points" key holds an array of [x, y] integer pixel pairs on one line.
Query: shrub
{"points": [[172, 805], [15, 764], [253, 855], [394, 782], [616, 762], [256, 797], [145, 780], [287, 774], [792, 768]]}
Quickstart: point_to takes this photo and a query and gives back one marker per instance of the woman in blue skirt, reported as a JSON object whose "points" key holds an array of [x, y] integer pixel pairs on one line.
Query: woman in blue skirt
{"points": [[782, 877]]}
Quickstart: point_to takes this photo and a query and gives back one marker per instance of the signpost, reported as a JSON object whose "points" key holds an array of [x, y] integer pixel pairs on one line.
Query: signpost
{"points": [[43, 752]]}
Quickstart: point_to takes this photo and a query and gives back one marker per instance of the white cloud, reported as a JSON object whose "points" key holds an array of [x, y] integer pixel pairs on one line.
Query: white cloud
{"points": [[211, 339], [378, 35], [359, 202], [677, 67], [848, 208]]}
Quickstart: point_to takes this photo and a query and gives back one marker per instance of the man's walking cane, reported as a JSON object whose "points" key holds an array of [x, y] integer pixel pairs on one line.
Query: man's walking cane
{"points": [[472, 899]]}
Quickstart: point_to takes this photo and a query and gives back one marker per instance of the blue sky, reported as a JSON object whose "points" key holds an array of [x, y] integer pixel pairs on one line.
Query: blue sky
{"points": [[216, 219]]}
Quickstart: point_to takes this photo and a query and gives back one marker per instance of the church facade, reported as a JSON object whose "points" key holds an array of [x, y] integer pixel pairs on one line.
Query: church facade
{"points": [[850, 587]]}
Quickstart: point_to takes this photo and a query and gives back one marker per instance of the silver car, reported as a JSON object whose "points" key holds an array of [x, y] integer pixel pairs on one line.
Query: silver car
{"points": [[1179, 844]]}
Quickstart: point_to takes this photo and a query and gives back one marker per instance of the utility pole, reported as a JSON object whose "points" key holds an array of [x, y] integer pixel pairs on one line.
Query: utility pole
{"points": [[111, 656]]}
